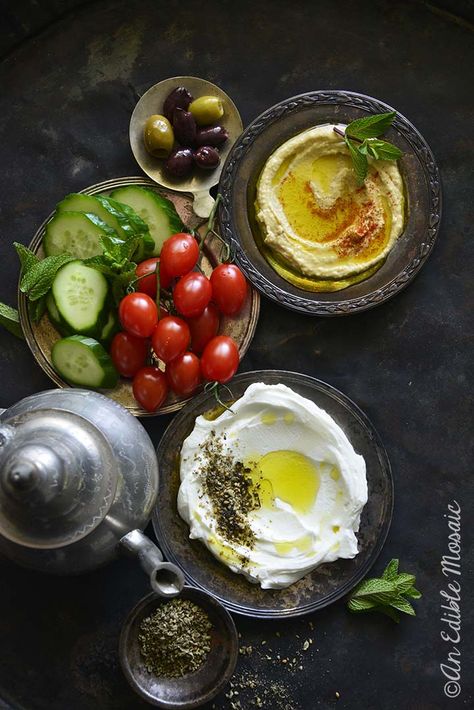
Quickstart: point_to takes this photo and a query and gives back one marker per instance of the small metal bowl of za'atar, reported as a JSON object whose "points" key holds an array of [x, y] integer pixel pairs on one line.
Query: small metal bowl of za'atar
{"points": [[178, 653]]}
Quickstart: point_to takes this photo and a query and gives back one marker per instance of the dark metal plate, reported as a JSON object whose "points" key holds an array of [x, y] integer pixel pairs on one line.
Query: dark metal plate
{"points": [[328, 582], [277, 125]]}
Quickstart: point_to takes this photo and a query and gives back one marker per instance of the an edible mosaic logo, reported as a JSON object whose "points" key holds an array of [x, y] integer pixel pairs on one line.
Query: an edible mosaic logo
{"points": [[451, 603]]}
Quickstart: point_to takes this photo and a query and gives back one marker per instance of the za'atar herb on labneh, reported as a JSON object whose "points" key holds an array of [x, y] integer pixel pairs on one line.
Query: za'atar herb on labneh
{"points": [[362, 138]]}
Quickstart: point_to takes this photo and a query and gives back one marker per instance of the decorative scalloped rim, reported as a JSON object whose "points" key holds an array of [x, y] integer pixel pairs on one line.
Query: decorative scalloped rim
{"points": [[420, 148]]}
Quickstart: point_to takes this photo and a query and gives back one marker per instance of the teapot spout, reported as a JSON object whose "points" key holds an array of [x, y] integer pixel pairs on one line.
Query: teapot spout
{"points": [[166, 579]]}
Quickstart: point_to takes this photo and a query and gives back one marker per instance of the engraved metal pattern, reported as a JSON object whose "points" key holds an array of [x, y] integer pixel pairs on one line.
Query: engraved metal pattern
{"points": [[343, 306]]}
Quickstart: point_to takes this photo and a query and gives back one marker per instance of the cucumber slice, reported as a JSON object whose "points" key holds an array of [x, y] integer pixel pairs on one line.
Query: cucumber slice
{"points": [[80, 294], [84, 362], [158, 212], [76, 202], [111, 327], [76, 233], [54, 316]]}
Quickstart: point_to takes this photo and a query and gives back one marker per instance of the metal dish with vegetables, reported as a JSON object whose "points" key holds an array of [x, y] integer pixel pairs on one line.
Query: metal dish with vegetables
{"points": [[98, 290]]}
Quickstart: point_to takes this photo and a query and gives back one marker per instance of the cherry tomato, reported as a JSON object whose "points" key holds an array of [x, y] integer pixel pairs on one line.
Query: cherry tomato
{"points": [[165, 277], [204, 327], [220, 359], [229, 288], [179, 254], [138, 314], [170, 338], [183, 374], [150, 388], [128, 353], [191, 294], [147, 270]]}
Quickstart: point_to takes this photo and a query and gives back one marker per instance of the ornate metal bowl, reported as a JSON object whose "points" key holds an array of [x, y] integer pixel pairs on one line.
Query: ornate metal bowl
{"points": [[277, 125], [324, 585]]}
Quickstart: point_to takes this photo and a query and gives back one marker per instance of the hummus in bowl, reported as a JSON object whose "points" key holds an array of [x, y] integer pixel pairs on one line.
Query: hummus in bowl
{"points": [[320, 229]]}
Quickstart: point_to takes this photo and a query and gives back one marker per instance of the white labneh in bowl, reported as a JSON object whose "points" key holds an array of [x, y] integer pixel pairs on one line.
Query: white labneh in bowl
{"points": [[273, 488]]}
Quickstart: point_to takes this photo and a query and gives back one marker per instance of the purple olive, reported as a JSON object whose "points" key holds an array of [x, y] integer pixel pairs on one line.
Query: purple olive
{"points": [[207, 157], [180, 162], [212, 135], [184, 126], [179, 98]]}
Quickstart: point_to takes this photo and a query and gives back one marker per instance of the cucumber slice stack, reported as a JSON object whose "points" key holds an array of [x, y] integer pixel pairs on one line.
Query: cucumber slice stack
{"points": [[79, 303]]}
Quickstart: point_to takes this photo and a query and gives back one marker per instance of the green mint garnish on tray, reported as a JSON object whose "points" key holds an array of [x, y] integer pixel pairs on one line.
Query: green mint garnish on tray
{"points": [[362, 138], [386, 594], [10, 320]]}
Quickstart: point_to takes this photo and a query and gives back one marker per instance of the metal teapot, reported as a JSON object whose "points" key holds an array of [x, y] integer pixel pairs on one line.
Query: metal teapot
{"points": [[78, 481]]}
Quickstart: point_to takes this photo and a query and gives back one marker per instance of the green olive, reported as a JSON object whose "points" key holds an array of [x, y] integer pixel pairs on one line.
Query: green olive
{"points": [[159, 136], [206, 110]]}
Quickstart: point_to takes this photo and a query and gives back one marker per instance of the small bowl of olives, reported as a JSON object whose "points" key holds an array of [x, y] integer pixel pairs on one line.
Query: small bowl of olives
{"points": [[181, 131]]}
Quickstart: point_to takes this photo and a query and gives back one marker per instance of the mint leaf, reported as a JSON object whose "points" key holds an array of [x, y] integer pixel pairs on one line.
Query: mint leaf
{"points": [[117, 252], [37, 281], [120, 282], [375, 586], [26, 256], [380, 150], [403, 605], [100, 263], [358, 605], [359, 161], [404, 582], [388, 611], [37, 309], [391, 570], [413, 593], [370, 126], [10, 320]]}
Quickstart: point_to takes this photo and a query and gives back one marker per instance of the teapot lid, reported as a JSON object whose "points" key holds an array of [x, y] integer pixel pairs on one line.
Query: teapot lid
{"points": [[58, 478]]}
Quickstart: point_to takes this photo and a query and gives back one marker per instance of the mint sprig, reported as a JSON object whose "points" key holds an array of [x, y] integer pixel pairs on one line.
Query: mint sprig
{"points": [[362, 138], [10, 320], [386, 594]]}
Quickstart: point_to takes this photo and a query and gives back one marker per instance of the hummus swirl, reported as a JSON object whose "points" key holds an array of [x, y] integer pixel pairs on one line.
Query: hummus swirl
{"points": [[316, 218]]}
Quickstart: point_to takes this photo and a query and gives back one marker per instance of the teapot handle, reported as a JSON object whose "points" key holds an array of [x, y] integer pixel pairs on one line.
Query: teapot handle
{"points": [[166, 579]]}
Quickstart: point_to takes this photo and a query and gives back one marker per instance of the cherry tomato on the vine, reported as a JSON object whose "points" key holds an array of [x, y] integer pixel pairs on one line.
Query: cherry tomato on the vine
{"points": [[165, 277], [229, 288], [179, 254], [220, 359], [204, 327], [170, 338], [184, 374], [128, 353], [138, 314], [150, 388], [191, 294], [146, 272]]}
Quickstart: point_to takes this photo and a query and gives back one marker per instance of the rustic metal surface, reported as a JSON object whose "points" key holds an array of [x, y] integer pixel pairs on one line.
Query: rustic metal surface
{"points": [[66, 100]]}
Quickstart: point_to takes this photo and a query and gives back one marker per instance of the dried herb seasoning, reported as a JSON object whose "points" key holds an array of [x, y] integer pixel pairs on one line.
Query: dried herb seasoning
{"points": [[230, 489], [175, 640]]}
